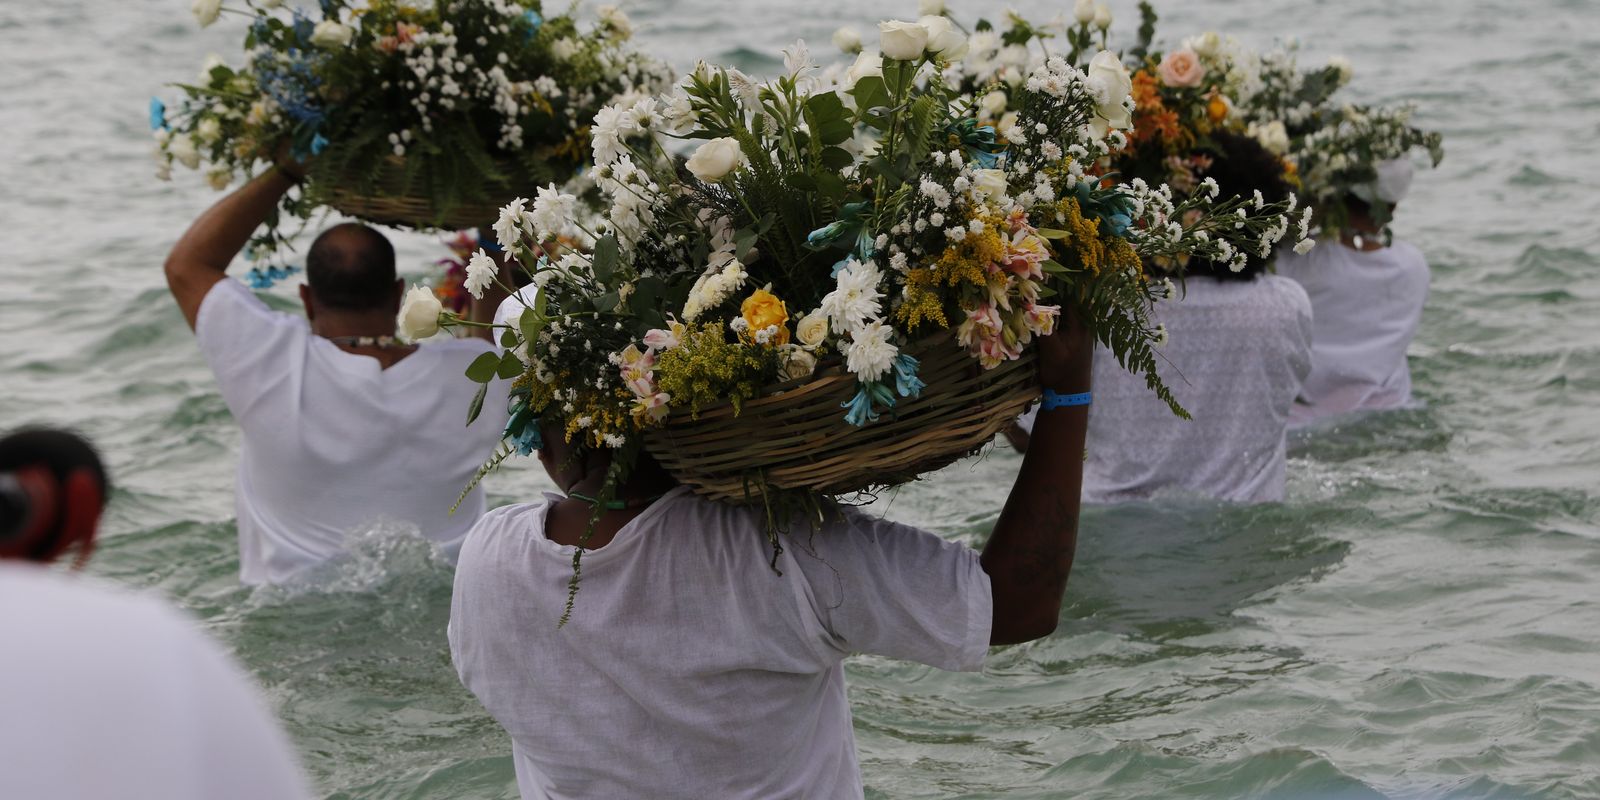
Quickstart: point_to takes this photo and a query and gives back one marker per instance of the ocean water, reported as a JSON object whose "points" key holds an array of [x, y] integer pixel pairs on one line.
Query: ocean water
{"points": [[1420, 619]]}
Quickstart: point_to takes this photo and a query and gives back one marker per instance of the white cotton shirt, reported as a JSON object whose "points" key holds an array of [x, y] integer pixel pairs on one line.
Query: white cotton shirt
{"points": [[1368, 306], [690, 669], [334, 443], [1237, 354], [104, 693]]}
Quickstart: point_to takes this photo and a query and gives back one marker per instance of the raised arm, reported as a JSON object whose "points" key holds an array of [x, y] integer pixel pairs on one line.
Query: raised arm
{"points": [[1030, 551], [201, 257]]}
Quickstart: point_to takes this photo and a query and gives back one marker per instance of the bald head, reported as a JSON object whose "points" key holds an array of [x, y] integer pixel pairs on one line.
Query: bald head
{"points": [[350, 267]]}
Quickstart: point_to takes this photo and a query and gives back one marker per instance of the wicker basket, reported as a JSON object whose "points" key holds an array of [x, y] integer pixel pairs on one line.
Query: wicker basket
{"points": [[795, 436], [384, 201]]}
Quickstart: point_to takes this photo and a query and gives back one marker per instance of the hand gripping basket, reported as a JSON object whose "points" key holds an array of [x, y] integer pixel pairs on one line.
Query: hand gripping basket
{"points": [[794, 436]]}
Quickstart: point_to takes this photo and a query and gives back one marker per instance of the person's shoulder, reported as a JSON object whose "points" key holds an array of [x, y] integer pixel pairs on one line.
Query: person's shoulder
{"points": [[465, 348], [78, 606], [1287, 293]]}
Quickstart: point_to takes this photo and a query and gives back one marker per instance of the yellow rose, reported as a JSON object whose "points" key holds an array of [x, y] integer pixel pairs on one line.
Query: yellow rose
{"points": [[762, 310], [1217, 109]]}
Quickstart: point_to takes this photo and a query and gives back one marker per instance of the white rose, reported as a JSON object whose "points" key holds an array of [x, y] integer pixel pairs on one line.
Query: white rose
{"points": [[212, 62], [206, 11], [989, 183], [714, 159], [208, 130], [419, 314], [182, 148], [1108, 81], [1014, 55], [1206, 45], [331, 35], [812, 329], [1343, 66], [797, 363], [1084, 11], [848, 40], [933, 8], [902, 40], [868, 64], [944, 40], [993, 104], [564, 49], [218, 178], [1102, 16], [615, 19], [1273, 136]]}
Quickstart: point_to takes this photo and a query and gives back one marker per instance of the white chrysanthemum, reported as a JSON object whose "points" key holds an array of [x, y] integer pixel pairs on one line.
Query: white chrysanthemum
{"points": [[481, 270], [553, 210], [513, 222], [870, 355], [855, 298], [612, 125]]}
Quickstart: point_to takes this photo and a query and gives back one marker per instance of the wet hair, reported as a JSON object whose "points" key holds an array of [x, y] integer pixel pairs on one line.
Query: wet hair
{"points": [[63, 454], [350, 267], [1241, 166]]}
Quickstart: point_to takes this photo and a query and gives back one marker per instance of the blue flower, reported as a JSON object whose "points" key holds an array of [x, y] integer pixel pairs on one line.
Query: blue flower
{"points": [[906, 381], [318, 144], [862, 407], [534, 21], [158, 114], [522, 429]]}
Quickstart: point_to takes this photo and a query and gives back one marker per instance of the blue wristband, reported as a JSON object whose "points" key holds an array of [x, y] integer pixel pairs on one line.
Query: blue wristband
{"points": [[1053, 401]]}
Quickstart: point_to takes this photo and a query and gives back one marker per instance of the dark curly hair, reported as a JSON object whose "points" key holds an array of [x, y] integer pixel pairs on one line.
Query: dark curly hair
{"points": [[1240, 166]]}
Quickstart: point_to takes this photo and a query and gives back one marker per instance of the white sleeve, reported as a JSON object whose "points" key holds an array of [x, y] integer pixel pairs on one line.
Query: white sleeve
{"points": [[246, 344], [892, 590]]}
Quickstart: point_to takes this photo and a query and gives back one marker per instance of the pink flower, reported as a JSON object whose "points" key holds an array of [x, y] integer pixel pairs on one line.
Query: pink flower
{"points": [[982, 323], [1025, 251], [1041, 320], [653, 408], [1181, 68], [658, 339]]}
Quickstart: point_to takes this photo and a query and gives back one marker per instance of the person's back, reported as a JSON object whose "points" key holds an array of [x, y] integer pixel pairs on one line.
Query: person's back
{"points": [[344, 426], [334, 441], [684, 639], [1236, 356], [1368, 305]]}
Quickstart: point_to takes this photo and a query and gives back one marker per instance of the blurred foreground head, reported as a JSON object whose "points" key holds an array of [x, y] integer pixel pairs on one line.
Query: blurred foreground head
{"points": [[52, 490]]}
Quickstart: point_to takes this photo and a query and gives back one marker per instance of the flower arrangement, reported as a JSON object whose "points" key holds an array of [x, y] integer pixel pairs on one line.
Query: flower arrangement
{"points": [[456, 102], [1346, 151], [783, 241]]}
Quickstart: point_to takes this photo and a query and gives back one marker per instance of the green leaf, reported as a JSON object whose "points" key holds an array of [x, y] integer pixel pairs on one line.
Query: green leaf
{"points": [[801, 181], [1055, 233], [483, 368], [837, 158], [870, 92], [1053, 267], [477, 404], [508, 338], [831, 186], [605, 258], [606, 302], [510, 366], [532, 324]]}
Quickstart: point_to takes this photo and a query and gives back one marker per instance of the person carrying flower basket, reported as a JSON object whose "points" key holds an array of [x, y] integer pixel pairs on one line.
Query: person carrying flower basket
{"points": [[846, 285], [340, 420]]}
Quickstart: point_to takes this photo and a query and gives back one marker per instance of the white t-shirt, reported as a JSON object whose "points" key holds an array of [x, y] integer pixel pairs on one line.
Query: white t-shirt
{"points": [[1368, 306], [105, 693], [333, 442], [690, 669], [1236, 356]]}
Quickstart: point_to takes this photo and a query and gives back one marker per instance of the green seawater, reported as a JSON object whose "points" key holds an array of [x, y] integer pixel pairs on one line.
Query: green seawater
{"points": [[1420, 619]]}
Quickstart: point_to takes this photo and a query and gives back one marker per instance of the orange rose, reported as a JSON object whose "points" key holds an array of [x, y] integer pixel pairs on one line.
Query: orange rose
{"points": [[1217, 109]]}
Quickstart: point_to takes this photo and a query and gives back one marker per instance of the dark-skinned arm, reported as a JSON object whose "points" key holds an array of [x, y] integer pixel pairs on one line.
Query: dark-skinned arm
{"points": [[200, 259], [1029, 553]]}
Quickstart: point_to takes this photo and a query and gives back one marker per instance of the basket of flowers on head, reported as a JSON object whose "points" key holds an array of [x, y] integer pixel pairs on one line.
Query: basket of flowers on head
{"points": [[838, 289], [429, 115]]}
